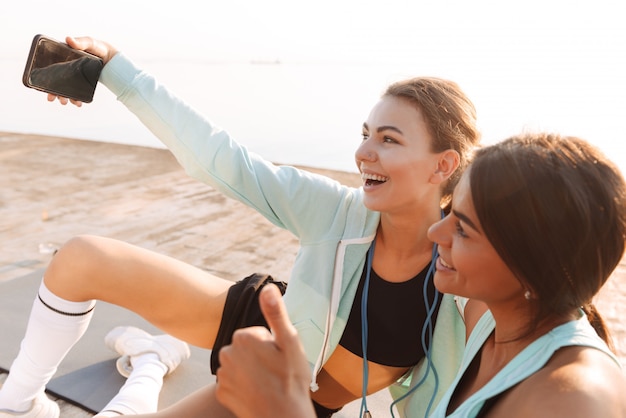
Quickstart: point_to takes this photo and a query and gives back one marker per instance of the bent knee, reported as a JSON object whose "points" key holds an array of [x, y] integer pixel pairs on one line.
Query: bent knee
{"points": [[79, 250], [74, 262]]}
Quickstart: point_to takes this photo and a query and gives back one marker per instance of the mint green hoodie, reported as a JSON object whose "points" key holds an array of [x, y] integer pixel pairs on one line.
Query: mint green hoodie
{"points": [[335, 229]]}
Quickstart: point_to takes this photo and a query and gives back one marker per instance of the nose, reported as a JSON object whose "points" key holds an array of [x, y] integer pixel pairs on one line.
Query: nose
{"points": [[365, 152], [439, 233]]}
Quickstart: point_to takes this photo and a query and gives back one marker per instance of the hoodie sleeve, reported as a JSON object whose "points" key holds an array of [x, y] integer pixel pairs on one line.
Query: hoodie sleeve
{"points": [[297, 200]]}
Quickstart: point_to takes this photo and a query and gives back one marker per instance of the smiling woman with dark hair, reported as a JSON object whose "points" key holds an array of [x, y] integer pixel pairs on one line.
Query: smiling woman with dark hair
{"points": [[537, 226]]}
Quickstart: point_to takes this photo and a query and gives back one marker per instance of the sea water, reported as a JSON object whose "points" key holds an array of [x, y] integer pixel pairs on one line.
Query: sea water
{"points": [[311, 113]]}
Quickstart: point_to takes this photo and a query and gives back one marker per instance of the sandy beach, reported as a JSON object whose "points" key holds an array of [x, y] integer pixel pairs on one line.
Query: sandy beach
{"points": [[54, 188]]}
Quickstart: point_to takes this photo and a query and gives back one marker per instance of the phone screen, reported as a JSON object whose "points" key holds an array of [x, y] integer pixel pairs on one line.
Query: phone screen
{"points": [[55, 67]]}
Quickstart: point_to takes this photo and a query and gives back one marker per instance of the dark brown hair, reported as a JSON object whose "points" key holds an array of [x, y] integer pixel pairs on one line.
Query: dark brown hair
{"points": [[554, 208], [450, 116]]}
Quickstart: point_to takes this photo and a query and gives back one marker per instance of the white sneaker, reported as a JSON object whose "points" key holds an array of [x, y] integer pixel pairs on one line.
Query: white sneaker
{"points": [[43, 407], [130, 342]]}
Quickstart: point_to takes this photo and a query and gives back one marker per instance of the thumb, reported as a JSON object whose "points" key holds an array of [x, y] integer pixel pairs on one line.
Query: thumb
{"points": [[275, 314], [96, 47]]}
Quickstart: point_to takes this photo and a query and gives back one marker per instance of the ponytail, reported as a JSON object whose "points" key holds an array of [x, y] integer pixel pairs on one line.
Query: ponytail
{"points": [[598, 324]]}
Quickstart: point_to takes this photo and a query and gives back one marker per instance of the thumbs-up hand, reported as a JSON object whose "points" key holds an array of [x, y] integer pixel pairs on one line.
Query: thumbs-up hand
{"points": [[265, 374]]}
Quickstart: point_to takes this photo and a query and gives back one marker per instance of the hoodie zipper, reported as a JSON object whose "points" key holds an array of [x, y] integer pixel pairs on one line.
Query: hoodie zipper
{"points": [[333, 306]]}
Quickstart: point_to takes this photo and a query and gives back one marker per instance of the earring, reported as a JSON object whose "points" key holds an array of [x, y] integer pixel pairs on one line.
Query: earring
{"points": [[527, 295]]}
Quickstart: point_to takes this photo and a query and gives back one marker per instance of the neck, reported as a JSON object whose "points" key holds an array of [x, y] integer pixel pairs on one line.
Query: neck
{"points": [[402, 249], [406, 236], [514, 332]]}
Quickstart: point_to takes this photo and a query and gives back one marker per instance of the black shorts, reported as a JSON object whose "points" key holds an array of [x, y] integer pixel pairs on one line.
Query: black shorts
{"points": [[241, 310]]}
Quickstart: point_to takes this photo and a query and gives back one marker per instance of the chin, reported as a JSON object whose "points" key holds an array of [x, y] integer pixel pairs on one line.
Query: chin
{"points": [[444, 282], [372, 205]]}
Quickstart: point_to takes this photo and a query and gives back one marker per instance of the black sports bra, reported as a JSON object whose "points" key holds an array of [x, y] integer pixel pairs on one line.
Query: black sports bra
{"points": [[396, 315]]}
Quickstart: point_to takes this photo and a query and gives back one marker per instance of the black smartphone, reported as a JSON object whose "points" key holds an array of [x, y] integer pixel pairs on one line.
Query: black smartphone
{"points": [[55, 67]]}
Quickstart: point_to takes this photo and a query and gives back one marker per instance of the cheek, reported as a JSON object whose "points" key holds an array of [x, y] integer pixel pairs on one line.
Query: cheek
{"points": [[413, 175], [488, 278], [468, 275]]}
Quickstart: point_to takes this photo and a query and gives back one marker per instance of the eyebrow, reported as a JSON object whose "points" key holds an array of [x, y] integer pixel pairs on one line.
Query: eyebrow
{"points": [[384, 128], [465, 219]]}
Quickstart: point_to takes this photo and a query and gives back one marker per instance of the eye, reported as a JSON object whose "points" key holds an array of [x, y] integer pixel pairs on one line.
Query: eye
{"points": [[365, 136], [389, 140], [459, 229]]}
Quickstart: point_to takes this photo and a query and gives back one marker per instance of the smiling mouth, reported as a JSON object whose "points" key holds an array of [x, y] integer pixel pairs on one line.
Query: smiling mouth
{"points": [[446, 265], [373, 179]]}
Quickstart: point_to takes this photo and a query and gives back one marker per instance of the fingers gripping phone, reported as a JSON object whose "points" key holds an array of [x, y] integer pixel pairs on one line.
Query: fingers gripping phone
{"points": [[54, 67]]}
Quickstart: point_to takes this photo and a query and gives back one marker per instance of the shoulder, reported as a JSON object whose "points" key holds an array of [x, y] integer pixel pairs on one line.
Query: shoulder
{"points": [[576, 382]]}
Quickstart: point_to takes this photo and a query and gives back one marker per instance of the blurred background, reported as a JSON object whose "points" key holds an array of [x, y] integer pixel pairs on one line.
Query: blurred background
{"points": [[295, 80]]}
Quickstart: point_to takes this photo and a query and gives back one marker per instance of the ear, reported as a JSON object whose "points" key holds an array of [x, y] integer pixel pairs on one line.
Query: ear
{"points": [[447, 164]]}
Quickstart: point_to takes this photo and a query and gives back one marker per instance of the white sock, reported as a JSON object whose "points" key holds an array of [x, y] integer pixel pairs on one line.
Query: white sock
{"points": [[140, 393], [51, 331]]}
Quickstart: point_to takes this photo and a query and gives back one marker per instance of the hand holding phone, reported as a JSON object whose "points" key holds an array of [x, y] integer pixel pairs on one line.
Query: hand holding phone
{"points": [[56, 68]]}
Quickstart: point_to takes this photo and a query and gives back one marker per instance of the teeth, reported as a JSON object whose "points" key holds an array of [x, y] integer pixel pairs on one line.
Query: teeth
{"points": [[375, 177], [443, 263]]}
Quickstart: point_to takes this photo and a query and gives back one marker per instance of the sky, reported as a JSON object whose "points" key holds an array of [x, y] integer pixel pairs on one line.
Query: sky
{"points": [[331, 29], [528, 65]]}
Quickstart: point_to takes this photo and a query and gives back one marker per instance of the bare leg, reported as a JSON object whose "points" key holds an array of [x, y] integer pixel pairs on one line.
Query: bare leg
{"points": [[200, 404], [181, 300], [176, 297]]}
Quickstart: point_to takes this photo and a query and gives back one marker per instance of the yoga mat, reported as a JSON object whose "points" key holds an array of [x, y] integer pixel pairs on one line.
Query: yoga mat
{"points": [[87, 377]]}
